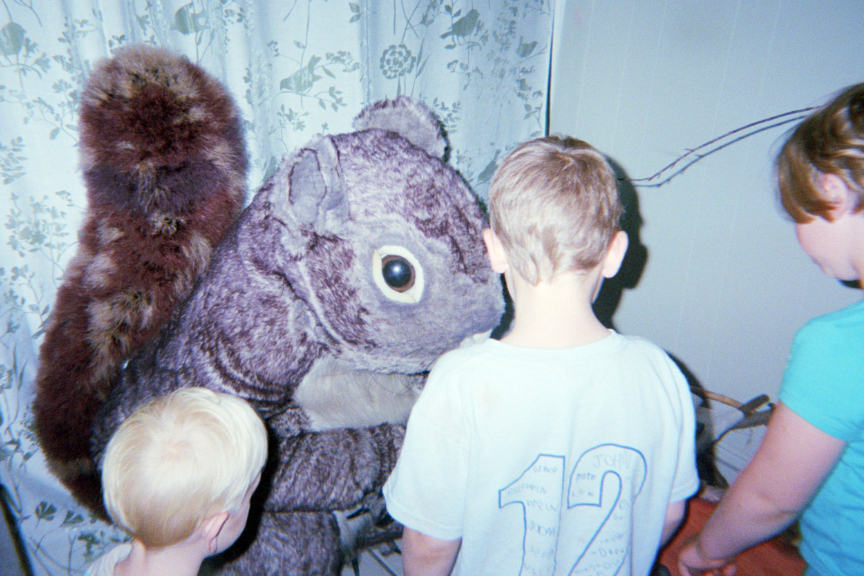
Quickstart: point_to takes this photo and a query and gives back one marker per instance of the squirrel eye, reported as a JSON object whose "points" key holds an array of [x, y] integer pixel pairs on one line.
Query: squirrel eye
{"points": [[398, 274]]}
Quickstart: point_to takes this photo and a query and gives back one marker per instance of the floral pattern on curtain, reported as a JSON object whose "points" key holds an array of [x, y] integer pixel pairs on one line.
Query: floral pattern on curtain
{"points": [[295, 68]]}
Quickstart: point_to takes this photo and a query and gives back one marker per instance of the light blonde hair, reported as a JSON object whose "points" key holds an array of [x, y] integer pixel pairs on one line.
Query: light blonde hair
{"points": [[829, 141], [178, 460], [554, 204]]}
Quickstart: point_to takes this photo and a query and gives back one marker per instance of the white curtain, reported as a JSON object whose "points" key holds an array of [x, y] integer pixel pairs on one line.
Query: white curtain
{"points": [[295, 68]]}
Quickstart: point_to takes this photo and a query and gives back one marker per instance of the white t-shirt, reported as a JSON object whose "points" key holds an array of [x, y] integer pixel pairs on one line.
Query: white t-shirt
{"points": [[104, 565], [548, 461]]}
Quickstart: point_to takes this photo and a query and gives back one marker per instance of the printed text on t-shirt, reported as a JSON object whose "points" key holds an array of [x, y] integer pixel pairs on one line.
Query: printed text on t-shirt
{"points": [[598, 514]]}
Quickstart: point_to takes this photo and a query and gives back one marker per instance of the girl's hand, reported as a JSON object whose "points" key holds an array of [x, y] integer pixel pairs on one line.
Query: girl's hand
{"points": [[691, 562]]}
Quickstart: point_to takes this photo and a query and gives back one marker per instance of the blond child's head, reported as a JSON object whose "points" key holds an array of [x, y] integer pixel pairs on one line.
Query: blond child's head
{"points": [[179, 460], [554, 205], [828, 142]]}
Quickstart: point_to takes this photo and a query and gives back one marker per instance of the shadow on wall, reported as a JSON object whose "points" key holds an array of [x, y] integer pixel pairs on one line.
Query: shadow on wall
{"points": [[506, 318], [627, 278], [637, 254], [706, 460]]}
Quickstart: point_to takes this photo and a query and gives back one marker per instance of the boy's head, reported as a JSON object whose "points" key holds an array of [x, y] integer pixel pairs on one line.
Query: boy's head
{"points": [[829, 142], [179, 460], [554, 205]]}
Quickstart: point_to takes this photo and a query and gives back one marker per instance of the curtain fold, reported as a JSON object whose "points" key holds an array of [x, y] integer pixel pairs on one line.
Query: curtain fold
{"points": [[296, 68]]}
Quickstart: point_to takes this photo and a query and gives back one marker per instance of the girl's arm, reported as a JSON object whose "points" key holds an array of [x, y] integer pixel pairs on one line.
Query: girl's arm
{"points": [[790, 465], [674, 516]]}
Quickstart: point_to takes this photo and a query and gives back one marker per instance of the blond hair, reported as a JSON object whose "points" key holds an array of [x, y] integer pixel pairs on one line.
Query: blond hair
{"points": [[178, 460], [554, 204], [829, 141]]}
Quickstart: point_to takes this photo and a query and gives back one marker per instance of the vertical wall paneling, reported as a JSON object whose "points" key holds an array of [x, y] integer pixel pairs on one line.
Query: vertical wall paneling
{"points": [[725, 285]]}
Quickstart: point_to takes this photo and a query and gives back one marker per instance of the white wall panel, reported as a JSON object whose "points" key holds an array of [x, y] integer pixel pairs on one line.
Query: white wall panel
{"points": [[725, 285]]}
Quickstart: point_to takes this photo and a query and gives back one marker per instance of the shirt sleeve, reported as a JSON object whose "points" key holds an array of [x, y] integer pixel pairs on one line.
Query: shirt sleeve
{"points": [[823, 379], [426, 490], [686, 476]]}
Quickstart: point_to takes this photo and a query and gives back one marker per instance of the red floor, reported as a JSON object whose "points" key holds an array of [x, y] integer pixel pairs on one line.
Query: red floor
{"points": [[773, 558]]}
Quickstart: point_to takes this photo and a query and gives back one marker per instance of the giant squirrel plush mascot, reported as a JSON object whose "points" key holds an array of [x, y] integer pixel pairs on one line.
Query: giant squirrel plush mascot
{"points": [[357, 264]]}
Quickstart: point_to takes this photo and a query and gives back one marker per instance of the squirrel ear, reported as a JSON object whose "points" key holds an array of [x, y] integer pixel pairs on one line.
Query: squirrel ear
{"points": [[408, 118], [315, 185]]}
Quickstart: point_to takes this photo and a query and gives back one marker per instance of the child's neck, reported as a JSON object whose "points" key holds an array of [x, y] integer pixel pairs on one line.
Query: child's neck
{"points": [[556, 313], [177, 560]]}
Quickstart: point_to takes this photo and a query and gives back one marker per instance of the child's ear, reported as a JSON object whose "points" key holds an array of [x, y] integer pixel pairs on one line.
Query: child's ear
{"points": [[211, 528], [837, 193], [496, 252], [615, 255]]}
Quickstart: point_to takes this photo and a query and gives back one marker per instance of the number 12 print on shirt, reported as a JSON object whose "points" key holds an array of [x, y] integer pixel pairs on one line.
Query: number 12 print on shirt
{"points": [[602, 486]]}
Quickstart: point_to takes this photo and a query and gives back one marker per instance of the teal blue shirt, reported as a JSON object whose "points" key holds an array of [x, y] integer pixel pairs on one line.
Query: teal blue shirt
{"points": [[824, 384]]}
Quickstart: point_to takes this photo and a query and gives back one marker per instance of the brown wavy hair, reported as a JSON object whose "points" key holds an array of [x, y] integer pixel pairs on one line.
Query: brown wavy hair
{"points": [[829, 141]]}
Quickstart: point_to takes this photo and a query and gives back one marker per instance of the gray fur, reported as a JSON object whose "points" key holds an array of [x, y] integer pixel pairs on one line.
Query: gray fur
{"points": [[407, 117], [288, 315]]}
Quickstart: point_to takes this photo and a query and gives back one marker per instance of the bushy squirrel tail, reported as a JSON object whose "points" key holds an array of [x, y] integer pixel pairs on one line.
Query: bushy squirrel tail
{"points": [[164, 163]]}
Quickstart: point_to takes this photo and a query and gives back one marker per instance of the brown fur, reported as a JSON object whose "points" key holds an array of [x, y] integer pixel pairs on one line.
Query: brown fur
{"points": [[165, 167]]}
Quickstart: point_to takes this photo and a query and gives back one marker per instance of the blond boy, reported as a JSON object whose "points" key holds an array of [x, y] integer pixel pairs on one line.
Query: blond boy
{"points": [[563, 448], [178, 476]]}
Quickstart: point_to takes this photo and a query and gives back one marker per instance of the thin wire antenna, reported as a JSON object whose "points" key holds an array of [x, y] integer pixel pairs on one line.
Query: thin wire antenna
{"points": [[682, 167], [760, 124]]}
